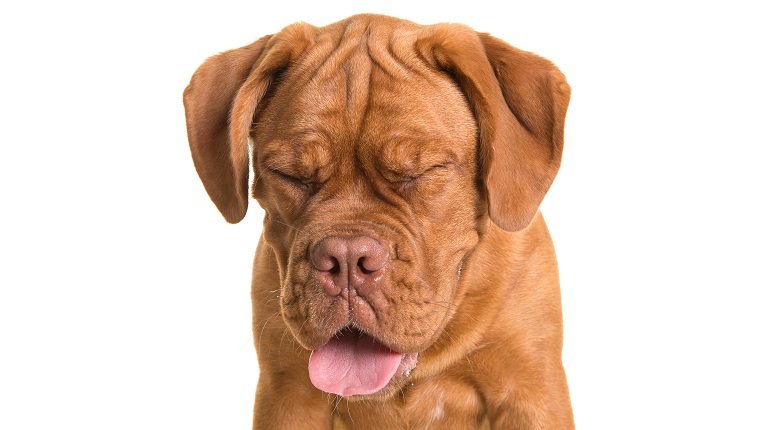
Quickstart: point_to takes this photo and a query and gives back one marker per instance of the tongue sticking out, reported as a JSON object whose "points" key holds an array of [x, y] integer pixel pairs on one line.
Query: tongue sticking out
{"points": [[352, 364]]}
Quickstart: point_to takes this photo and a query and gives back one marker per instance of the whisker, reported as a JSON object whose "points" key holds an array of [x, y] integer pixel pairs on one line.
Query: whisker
{"points": [[264, 326]]}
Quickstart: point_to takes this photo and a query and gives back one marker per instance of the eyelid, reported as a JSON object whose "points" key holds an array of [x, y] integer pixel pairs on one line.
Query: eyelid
{"points": [[285, 175], [401, 177], [442, 165]]}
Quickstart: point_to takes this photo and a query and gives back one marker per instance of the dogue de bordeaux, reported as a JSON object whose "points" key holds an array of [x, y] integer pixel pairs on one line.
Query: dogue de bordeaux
{"points": [[405, 278]]}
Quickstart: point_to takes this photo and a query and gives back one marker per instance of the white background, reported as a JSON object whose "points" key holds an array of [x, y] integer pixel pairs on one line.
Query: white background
{"points": [[124, 300]]}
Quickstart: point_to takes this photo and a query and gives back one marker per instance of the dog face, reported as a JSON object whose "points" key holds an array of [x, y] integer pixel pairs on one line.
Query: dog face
{"points": [[370, 222], [379, 150]]}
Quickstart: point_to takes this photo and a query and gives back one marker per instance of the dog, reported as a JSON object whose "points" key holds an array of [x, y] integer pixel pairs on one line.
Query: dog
{"points": [[405, 278]]}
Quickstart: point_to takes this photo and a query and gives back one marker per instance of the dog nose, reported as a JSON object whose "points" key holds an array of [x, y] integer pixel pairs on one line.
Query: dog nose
{"points": [[356, 262]]}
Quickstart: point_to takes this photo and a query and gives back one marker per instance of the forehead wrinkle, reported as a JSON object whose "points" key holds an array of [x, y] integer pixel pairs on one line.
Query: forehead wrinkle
{"points": [[390, 48], [343, 48], [362, 79], [393, 53], [325, 58], [375, 43], [338, 66], [342, 61]]}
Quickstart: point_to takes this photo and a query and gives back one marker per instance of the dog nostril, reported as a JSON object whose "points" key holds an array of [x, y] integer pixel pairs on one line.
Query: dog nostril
{"points": [[362, 266], [335, 269]]}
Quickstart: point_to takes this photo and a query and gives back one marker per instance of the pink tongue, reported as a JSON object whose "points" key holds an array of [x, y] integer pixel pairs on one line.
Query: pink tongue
{"points": [[352, 364]]}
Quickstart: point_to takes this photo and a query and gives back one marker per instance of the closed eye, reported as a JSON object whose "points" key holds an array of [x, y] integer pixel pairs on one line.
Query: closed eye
{"points": [[287, 176], [438, 166], [290, 178], [406, 180], [432, 169]]}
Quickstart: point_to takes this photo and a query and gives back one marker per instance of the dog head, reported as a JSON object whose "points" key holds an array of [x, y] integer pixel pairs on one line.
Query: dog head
{"points": [[380, 149]]}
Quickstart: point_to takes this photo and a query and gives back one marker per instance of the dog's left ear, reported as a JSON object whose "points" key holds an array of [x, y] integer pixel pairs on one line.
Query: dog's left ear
{"points": [[519, 100], [220, 103]]}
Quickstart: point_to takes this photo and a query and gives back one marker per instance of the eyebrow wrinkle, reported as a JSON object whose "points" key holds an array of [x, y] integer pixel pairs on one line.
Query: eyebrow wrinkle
{"points": [[348, 86]]}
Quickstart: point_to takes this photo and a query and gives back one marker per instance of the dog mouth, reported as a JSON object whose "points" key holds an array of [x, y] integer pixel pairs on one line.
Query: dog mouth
{"points": [[353, 363]]}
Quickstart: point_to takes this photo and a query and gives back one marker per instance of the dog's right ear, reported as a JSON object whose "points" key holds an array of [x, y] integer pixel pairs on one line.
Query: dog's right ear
{"points": [[220, 103]]}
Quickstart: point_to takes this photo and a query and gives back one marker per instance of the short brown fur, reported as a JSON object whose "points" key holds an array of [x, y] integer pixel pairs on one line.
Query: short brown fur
{"points": [[437, 142]]}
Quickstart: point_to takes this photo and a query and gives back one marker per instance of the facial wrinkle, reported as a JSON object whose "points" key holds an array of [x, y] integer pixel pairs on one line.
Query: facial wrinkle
{"points": [[380, 50], [357, 71]]}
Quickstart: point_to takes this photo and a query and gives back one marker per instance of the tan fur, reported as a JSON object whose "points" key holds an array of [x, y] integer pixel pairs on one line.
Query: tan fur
{"points": [[439, 143]]}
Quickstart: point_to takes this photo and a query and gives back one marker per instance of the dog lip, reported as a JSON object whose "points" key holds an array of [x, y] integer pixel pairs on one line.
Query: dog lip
{"points": [[408, 363], [350, 327], [353, 327]]}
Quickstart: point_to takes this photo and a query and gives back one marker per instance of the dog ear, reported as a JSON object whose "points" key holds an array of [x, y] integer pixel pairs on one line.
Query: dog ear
{"points": [[220, 103], [520, 101]]}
